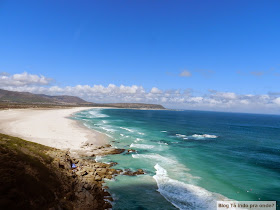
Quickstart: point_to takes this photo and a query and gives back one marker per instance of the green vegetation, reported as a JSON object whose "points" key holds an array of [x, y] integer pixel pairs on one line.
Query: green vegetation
{"points": [[27, 179], [15, 97]]}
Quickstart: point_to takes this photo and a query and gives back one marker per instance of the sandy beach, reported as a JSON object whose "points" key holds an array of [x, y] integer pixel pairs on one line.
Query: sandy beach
{"points": [[50, 127]]}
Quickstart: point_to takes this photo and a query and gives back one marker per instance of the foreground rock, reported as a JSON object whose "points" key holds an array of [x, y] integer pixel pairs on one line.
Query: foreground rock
{"points": [[34, 176]]}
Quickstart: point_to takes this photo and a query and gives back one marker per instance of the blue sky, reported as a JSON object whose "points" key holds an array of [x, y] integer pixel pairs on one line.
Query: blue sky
{"points": [[222, 46]]}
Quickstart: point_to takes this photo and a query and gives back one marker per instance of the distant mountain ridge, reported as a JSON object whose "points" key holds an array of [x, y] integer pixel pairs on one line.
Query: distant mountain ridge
{"points": [[26, 98], [30, 98]]}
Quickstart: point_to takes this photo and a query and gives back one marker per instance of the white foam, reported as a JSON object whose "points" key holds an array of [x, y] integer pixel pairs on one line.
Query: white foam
{"points": [[108, 129], [156, 157], [142, 146], [138, 139], [170, 162], [85, 124], [127, 129], [109, 135], [141, 133], [181, 135], [163, 131], [162, 143], [98, 158], [96, 114], [182, 195], [204, 136]]}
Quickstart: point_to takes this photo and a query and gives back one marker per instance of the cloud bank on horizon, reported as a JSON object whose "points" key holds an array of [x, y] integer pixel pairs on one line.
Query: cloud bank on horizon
{"points": [[183, 99]]}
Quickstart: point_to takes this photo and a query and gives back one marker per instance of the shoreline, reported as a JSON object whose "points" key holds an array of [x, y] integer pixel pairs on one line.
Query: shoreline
{"points": [[52, 127]]}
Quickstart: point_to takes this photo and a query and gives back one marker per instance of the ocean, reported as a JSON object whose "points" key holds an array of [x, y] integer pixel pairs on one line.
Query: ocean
{"points": [[191, 158]]}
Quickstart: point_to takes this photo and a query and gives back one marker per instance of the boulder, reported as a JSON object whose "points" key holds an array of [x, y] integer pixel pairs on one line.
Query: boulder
{"points": [[139, 171], [114, 151], [131, 150], [64, 164], [97, 178], [82, 173], [107, 176], [87, 186], [101, 170], [113, 164], [128, 172]]}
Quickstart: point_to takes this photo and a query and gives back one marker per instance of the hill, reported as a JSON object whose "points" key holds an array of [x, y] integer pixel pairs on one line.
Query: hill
{"points": [[30, 98], [14, 99]]}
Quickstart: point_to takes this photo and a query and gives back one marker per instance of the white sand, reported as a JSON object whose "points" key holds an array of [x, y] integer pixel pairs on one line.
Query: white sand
{"points": [[50, 127]]}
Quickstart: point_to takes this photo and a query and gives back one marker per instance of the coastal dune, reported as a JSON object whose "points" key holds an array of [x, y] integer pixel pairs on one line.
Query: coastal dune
{"points": [[50, 127]]}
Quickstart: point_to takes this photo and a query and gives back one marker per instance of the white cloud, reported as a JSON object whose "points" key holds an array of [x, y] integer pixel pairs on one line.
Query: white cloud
{"points": [[156, 90], [23, 79], [183, 99], [185, 73], [225, 95], [277, 101]]}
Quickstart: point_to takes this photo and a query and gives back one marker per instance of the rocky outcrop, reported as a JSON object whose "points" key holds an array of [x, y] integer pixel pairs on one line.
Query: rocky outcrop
{"points": [[90, 175], [34, 176]]}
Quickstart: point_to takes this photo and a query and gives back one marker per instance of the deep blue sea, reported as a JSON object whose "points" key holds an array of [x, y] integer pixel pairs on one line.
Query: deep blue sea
{"points": [[191, 158]]}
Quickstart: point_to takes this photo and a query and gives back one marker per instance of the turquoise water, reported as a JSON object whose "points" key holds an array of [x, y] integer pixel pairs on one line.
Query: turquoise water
{"points": [[191, 158]]}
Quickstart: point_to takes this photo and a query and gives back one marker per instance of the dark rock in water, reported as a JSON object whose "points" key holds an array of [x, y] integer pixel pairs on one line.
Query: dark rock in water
{"points": [[119, 171], [109, 199], [107, 205], [117, 151], [140, 171], [128, 172], [114, 151], [108, 177], [131, 150], [106, 193], [113, 163]]}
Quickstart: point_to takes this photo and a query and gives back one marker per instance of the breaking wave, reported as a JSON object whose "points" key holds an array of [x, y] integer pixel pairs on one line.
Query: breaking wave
{"points": [[204, 136], [130, 130], [142, 146], [156, 157], [96, 114], [182, 195]]}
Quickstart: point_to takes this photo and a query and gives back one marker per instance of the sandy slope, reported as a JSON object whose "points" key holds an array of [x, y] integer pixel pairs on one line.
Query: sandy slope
{"points": [[49, 127]]}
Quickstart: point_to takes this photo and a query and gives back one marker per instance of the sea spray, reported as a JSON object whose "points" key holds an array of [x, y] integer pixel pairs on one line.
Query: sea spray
{"points": [[182, 195]]}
